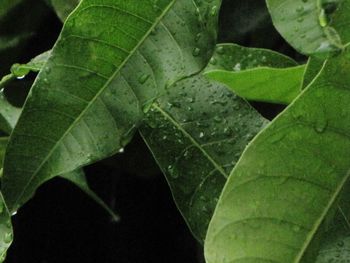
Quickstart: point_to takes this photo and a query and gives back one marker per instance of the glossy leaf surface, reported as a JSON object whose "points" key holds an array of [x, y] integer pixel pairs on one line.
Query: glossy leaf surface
{"points": [[91, 95], [197, 133], [256, 74], [312, 26], [287, 182]]}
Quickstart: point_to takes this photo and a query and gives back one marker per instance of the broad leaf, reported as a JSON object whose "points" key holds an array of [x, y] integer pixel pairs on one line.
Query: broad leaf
{"points": [[8, 119], [112, 60], [312, 26], [256, 74], [287, 182], [6, 233], [197, 133]]}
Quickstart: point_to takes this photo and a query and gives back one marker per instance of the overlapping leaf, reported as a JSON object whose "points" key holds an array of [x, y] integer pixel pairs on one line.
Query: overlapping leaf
{"points": [[312, 26], [110, 62], [256, 74], [197, 133], [289, 179]]}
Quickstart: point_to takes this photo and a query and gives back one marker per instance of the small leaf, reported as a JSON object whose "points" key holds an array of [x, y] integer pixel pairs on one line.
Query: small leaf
{"points": [[197, 133]]}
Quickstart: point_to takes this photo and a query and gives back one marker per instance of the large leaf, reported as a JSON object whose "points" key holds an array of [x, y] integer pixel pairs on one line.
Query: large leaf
{"points": [[197, 133], [6, 233], [289, 179], [110, 62], [8, 118], [312, 26], [256, 74]]}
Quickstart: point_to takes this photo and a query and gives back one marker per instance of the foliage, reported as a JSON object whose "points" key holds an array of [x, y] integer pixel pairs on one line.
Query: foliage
{"points": [[251, 190]]}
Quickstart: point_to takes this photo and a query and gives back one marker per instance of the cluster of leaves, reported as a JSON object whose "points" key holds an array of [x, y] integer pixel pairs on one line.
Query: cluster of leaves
{"points": [[250, 189]]}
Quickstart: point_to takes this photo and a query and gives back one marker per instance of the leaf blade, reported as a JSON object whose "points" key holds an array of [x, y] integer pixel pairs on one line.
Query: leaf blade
{"points": [[285, 201], [196, 140], [99, 107]]}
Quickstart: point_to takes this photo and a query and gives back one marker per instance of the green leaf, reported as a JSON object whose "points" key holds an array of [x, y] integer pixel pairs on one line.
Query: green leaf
{"points": [[197, 133], [9, 116], [79, 179], [312, 26], [287, 182], [6, 232], [101, 76], [313, 67], [19, 71], [263, 84], [35, 65], [256, 74]]}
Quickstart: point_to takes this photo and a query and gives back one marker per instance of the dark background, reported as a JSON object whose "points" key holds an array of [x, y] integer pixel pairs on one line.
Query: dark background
{"points": [[61, 224]]}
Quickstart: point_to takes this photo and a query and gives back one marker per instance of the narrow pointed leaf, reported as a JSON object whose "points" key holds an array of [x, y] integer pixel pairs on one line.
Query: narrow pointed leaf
{"points": [[312, 26], [287, 183], [112, 60], [256, 74], [197, 133], [79, 179], [263, 84]]}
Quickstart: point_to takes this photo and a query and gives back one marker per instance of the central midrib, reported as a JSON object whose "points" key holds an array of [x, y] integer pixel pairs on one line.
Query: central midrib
{"points": [[156, 22]]}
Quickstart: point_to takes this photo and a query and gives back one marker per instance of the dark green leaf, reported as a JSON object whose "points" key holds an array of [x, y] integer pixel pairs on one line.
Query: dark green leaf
{"points": [[197, 133], [6, 233], [288, 181], [111, 61]]}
